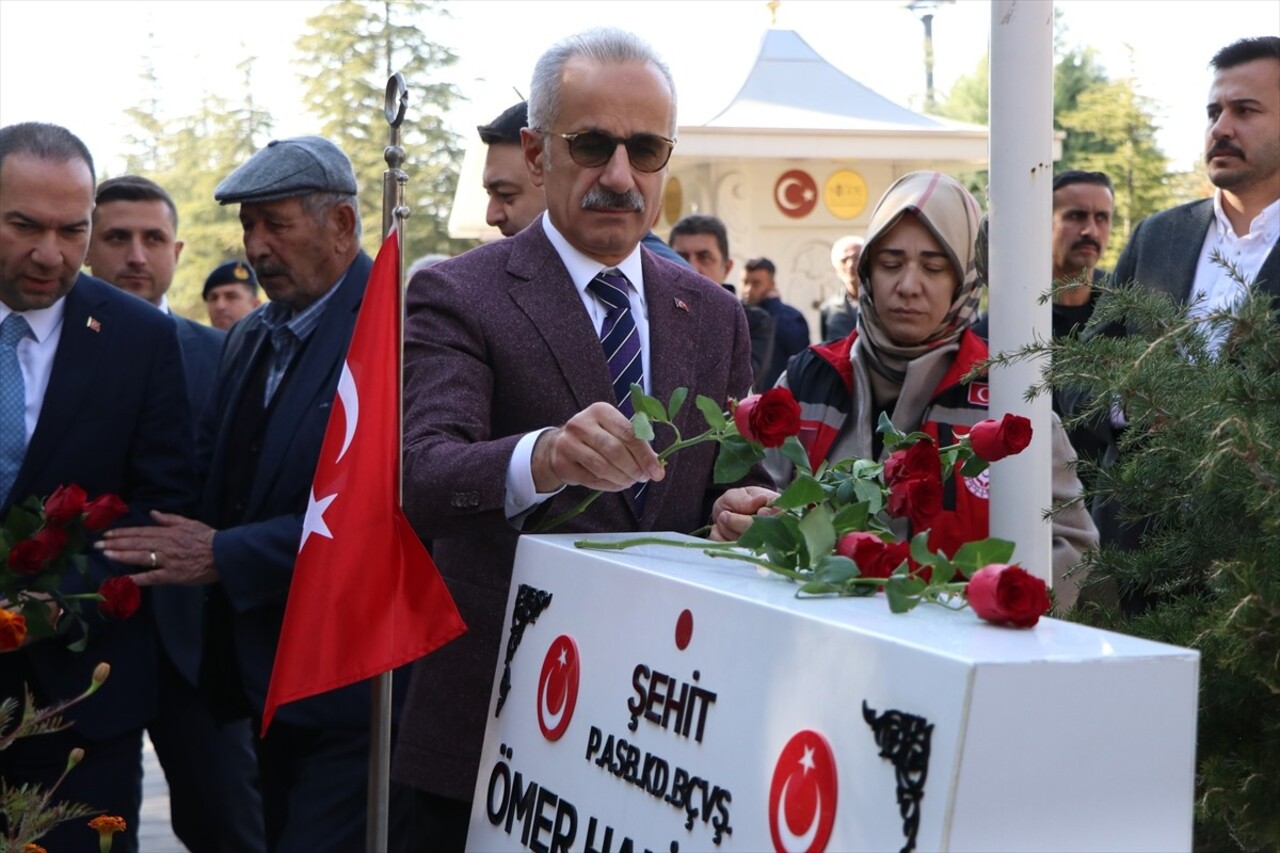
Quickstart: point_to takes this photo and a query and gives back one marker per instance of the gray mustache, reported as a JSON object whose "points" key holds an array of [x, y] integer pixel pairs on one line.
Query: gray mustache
{"points": [[599, 198]]}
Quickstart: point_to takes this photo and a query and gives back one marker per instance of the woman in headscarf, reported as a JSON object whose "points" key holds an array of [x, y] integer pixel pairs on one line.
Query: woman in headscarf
{"points": [[913, 343]]}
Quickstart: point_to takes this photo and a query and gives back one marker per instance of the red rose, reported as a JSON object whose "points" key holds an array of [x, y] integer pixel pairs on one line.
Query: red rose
{"points": [[120, 597], [31, 555], [65, 504], [917, 498], [13, 630], [994, 440], [874, 557], [768, 418], [919, 460], [1007, 595], [103, 511]]}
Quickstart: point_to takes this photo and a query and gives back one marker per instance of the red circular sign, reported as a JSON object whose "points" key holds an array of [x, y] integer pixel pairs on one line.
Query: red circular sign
{"points": [[795, 193], [558, 687], [802, 798], [684, 629]]}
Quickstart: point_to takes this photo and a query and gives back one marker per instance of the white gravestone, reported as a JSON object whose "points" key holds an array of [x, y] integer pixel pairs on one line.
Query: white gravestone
{"points": [[657, 699]]}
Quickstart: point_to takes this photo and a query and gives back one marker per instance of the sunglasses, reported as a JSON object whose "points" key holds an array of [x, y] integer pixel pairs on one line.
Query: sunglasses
{"points": [[647, 152]]}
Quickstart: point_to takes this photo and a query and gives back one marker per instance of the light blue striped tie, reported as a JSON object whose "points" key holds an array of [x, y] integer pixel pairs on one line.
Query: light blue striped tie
{"points": [[13, 403]]}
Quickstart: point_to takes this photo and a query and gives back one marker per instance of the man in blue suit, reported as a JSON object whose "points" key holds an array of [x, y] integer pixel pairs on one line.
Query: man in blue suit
{"points": [[213, 799], [258, 447], [102, 403]]}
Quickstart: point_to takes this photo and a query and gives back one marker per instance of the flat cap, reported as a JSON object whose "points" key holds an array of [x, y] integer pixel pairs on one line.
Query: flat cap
{"points": [[232, 272], [287, 168]]}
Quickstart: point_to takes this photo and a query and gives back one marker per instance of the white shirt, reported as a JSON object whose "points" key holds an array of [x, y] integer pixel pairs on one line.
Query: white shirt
{"points": [[521, 493], [35, 357], [1213, 288]]}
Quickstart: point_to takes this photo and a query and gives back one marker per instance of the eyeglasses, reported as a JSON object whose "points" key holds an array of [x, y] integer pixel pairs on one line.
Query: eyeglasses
{"points": [[647, 152]]}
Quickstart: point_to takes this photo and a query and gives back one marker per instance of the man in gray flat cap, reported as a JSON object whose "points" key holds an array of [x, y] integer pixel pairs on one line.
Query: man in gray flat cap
{"points": [[258, 448]]}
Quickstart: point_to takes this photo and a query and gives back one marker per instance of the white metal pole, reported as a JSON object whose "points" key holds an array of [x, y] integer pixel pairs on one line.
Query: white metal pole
{"points": [[1021, 148]]}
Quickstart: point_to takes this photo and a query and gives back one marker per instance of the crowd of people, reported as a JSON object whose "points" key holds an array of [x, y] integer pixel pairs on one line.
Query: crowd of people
{"points": [[519, 357]]}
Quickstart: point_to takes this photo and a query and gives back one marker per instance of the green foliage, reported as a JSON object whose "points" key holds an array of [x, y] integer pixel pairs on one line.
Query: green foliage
{"points": [[1112, 129], [189, 156], [1108, 128], [349, 50], [1199, 470]]}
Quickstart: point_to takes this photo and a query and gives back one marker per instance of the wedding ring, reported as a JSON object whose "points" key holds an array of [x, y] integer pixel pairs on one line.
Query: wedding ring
{"points": [[153, 559]]}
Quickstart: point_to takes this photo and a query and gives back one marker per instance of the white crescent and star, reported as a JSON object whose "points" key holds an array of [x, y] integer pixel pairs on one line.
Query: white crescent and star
{"points": [[549, 719], [349, 396], [780, 194]]}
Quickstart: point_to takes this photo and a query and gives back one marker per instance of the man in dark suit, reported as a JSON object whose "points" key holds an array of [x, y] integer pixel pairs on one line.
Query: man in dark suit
{"points": [[102, 404], [213, 798], [513, 409], [258, 448], [790, 329], [703, 242], [1173, 250]]}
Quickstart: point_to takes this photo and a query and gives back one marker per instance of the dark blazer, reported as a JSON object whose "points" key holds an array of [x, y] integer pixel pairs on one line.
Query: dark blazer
{"points": [[255, 559], [114, 419], [498, 344], [179, 610], [1164, 250]]}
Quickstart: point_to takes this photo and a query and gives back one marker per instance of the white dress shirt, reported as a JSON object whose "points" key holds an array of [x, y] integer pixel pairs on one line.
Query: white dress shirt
{"points": [[1213, 288], [521, 493]]}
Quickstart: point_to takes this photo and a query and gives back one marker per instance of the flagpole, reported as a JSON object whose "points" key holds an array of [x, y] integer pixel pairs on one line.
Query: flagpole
{"points": [[394, 212]]}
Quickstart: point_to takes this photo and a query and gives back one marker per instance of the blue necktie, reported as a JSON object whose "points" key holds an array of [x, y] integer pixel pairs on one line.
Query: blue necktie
{"points": [[621, 342], [13, 403]]}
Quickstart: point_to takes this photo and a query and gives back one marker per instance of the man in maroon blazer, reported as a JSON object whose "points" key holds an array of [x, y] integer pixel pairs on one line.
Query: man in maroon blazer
{"points": [[511, 410]]}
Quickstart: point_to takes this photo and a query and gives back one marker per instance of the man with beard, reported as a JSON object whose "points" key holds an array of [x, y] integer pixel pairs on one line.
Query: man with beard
{"points": [[519, 359]]}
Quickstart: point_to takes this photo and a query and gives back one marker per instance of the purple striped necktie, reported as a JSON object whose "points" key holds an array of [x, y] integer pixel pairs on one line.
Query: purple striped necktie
{"points": [[619, 336], [621, 342]]}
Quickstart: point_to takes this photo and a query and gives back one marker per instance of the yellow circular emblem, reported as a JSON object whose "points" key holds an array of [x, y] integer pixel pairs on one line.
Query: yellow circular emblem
{"points": [[845, 194]]}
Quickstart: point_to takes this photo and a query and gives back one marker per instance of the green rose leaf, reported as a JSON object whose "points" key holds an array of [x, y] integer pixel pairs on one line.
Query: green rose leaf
{"points": [[642, 402], [920, 550], [711, 411], [794, 451], [972, 556], [676, 402], [818, 588], [974, 466], [804, 490], [898, 592], [851, 517], [735, 459], [643, 428], [777, 535], [819, 533], [835, 569]]}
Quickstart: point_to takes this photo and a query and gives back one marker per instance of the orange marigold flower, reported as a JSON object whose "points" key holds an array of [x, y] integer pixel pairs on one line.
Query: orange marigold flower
{"points": [[13, 630], [107, 824], [32, 847]]}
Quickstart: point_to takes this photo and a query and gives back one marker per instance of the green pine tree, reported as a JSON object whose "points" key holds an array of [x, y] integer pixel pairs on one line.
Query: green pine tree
{"points": [[1198, 473], [348, 51]]}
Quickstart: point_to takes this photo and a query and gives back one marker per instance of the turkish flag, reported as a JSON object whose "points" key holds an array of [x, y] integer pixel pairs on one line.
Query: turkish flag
{"points": [[365, 596]]}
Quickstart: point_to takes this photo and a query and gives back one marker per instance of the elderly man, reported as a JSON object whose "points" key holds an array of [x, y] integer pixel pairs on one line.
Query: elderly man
{"points": [[262, 436], [514, 411], [213, 804], [838, 316], [91, 393]]}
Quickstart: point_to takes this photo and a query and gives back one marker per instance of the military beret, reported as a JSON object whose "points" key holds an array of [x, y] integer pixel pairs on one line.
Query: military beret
{"points": [[288, 168], [232, 272]]}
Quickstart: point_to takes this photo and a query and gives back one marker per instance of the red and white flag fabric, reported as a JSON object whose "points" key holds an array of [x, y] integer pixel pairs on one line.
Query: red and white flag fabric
{"points": [[365, 596]]}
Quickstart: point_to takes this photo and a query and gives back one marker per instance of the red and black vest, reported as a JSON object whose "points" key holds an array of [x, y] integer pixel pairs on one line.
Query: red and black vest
{"points": [[821, 379]]}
